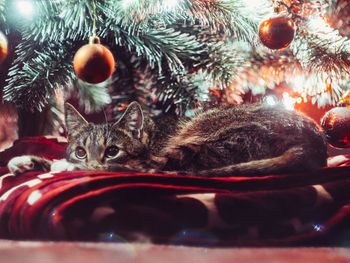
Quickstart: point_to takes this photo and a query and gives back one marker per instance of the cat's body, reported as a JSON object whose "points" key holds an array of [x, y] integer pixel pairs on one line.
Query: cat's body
{"points": [[249, 139]]}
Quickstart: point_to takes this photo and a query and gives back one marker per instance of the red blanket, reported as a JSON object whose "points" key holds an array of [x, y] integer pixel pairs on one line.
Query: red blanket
{"points": [[291, 209]]}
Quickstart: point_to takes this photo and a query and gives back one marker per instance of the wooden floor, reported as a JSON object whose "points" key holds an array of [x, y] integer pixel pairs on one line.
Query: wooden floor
{"points": [[50, 252]]}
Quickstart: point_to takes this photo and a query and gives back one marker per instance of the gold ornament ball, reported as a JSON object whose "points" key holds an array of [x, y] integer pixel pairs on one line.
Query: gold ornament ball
{"points": [[3, 48], [336, 124], [276, 32], [94, 63]]}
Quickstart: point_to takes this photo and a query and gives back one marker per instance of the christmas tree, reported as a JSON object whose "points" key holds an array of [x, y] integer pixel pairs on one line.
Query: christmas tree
{"points": [[177, 55]]}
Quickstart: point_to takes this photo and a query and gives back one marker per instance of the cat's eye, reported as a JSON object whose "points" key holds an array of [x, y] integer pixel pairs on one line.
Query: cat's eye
{"points": [[80, 153], [111, 151]]}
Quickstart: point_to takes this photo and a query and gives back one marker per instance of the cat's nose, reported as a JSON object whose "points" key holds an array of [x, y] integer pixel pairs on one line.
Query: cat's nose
{"points": [[95, 165]]}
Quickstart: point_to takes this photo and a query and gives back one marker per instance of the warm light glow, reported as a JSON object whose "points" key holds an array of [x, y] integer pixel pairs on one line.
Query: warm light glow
{"points": [[318, 24], [288, 101], [170, 4], [25, 7], [265, 27], [252, 3], [271, 100]]}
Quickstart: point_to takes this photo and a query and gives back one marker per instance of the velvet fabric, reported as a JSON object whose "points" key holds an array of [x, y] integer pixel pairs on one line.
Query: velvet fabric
{"points": [[274, 210]]}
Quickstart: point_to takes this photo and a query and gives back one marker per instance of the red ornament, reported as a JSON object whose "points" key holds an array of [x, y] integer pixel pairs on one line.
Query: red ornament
{"points": [[94, 63], [276, 32], [336, 124], [3, 48]]}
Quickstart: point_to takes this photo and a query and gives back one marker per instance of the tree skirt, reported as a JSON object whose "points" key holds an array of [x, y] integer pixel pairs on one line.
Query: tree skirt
{"points": [[283, 210]]}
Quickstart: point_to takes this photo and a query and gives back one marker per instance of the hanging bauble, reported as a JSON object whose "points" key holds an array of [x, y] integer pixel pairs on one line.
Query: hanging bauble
{"points": [[336, 124], [94, 63], [3, 48], [276, 32]]}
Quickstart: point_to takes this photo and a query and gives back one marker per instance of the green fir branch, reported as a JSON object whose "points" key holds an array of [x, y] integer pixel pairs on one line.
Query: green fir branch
{"points": [[2, 11], [175, 94], [36, 72], [324, 52], [74, 23], [224, 61], [163, 44], [92, 98]]}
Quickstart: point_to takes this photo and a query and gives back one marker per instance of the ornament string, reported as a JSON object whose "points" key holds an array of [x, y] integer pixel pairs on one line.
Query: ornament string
{"points": [[93, 15]]}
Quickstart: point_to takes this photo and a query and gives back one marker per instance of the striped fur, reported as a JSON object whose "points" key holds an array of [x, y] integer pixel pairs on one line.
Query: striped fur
{"points": [[250, 139]]}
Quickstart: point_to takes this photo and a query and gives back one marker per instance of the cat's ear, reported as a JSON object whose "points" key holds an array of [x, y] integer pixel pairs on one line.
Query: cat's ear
{"points": [[74, 120], [132, 120]]}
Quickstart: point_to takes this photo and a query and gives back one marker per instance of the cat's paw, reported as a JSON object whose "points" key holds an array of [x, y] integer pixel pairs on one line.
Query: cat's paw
{"points": [[62, 165], [21, 164]]}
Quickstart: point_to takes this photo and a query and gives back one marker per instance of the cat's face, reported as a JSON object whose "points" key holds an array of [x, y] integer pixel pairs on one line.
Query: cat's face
{"points": [[105, 146]]}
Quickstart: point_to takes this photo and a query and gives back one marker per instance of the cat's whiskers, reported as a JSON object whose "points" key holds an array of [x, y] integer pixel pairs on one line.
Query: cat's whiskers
{"points": [[106, 121]]}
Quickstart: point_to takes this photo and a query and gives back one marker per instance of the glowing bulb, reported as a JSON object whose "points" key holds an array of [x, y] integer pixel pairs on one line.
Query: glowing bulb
{"points": [[317, 23], [252, 3], [288, 101], [318, 227], [25, 7], [271, 101]]}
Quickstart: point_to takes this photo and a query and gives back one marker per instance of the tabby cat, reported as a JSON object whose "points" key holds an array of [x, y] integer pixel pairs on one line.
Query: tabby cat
{"points": [[252, 139]]}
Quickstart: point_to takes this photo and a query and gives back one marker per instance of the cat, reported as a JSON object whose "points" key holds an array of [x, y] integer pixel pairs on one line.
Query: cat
{"points": [[251, 139]]}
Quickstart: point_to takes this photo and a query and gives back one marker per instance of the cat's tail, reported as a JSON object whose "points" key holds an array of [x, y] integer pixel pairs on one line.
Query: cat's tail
{"points": [[293, 160]]}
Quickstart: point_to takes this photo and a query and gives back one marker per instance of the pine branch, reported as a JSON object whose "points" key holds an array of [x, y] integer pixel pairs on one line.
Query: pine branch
{"points": [[243, 21], [61, 20], [229, 16], [163, 43], [92, 98], [321, 50], [132, 82], [2, 12], [136, 80], [224, 61], [36, 72], [179, 61], [268, 71], [74, 23], [175, 93]]}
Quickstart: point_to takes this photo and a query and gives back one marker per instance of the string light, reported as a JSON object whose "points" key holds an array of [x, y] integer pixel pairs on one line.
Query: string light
{"points": [[317, 227], [288, 101], [271, 100]]}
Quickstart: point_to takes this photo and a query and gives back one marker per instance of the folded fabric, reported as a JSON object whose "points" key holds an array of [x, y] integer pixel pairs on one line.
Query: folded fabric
{"points": [[292, 209]]}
